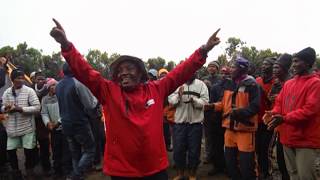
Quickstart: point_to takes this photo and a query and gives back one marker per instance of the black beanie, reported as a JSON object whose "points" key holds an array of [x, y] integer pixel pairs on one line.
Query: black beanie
{"points": [[16, 73], [285, 61], [307, 55]]}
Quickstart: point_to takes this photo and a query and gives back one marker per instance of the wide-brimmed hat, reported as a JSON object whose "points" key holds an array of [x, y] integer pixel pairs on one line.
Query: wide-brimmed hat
{"points": [[125, 58]]}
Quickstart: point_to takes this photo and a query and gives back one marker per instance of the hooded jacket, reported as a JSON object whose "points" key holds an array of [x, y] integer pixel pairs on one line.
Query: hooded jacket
{"points": [[76, 103], [298, 103], [134, 123]]}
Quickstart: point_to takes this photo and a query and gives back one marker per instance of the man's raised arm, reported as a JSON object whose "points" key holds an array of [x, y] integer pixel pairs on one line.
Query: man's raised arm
{"points": [[79, 66], [185, 70]]}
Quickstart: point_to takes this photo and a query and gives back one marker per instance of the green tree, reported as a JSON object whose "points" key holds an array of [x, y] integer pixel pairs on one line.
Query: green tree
{"points": [[233, 47], [317, 64], [170, 65], [156, 63], [222, 59]]}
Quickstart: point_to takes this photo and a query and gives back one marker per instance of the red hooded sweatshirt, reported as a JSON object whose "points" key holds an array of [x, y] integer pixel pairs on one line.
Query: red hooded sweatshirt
{"points": [[299, 103], [134, 122]]}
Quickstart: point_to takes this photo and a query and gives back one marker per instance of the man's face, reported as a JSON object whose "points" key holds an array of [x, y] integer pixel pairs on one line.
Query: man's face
{"points": [[299, 67], [40, 81], [266, 68], [128, 75], [225, 75], [235, 71], [277, 71], [212, 69], [18, 82]]}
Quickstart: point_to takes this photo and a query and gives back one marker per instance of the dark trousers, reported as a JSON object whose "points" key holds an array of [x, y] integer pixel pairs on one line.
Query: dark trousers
{"points": [[167, 134], [62, 161], [99, 137], [162, 175], [3, 146], [240, 165], [82, 147], [44, 151], [187, 145], [263, 137], [281, 162], [207, 129], [214, 136], [30, 155], [216, 147]]}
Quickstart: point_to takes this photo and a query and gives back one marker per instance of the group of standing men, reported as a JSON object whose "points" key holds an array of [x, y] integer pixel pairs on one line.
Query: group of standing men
{"points": [[30, 112], [244, 117]]}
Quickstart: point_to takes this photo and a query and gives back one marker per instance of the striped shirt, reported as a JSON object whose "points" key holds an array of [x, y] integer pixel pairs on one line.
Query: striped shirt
{"points": [[19, 124]]}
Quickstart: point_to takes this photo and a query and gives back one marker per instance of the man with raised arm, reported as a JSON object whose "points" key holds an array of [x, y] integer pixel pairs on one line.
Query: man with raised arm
{"points": [[135, 145]]}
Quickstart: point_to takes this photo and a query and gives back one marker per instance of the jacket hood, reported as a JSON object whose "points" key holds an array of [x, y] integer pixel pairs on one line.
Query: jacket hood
{"points": [[66, 70]]}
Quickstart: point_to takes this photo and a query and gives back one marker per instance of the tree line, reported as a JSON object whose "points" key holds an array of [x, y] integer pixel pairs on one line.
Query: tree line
{"points": [[31, 59]]}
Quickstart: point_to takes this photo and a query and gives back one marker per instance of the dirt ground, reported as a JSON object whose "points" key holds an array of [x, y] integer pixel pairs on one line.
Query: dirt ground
{"points": [[94, 175]]}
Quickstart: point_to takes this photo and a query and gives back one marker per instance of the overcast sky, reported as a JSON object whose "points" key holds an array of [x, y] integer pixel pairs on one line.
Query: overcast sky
{"points": [[172, 29]]}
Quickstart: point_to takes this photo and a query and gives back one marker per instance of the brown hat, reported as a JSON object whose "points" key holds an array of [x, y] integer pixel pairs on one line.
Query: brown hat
{"points": [[125, 58]]}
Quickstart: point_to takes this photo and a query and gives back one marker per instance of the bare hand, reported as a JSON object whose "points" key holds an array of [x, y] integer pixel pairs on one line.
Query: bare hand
{"points": [[212, 41], [208, 107], [8, 107], [276, 121], [16, 108], [267, 117], [180, 92], [59, 34], [51, 126]]}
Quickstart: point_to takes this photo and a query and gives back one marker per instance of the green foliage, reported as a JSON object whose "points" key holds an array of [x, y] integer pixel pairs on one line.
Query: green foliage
{"points": [[234, 44], [156, 63], [317, 63], [101, 61], [31, 59], [237, 47], [222, 59], [170, 65]]}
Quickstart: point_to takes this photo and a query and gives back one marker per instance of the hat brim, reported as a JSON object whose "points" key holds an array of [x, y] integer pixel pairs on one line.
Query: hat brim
{"points": [[125, 58]]}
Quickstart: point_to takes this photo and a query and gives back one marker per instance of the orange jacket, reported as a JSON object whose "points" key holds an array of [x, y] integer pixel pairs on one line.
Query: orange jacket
{"points": [[169, 112], [247, 101]]}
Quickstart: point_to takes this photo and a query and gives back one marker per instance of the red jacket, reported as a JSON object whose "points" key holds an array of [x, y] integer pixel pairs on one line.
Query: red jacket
{"points": [[299, 103], [134, 131], [265, 104]]}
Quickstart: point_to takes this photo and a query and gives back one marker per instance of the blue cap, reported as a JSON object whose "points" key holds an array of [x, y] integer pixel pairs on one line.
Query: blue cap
{"points": [[153, 72], [242, 62]]}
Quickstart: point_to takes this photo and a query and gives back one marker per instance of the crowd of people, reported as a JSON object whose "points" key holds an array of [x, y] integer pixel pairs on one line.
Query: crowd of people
{"points": [[254, 127]]}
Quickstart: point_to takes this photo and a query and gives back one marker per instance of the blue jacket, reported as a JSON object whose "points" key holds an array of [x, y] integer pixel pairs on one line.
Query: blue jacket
{"points": [[76, 104]]}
